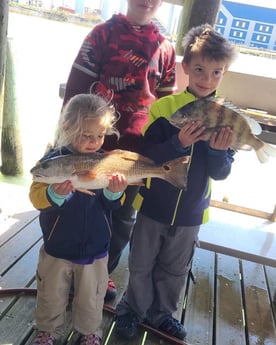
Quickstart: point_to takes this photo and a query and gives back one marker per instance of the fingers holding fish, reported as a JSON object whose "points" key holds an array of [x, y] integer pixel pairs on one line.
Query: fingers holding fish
{"points": [[222, 139], [191, 132], [94, 170], [63, 188], [117, 183]]}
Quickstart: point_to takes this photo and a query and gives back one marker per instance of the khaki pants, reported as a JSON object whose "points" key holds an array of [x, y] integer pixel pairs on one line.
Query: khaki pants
{"points": [[54, 280]]}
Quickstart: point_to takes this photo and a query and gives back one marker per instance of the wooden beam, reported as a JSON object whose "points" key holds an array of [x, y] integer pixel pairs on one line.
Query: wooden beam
{"points": [[273, 216], [244, 210], [175, 2]]}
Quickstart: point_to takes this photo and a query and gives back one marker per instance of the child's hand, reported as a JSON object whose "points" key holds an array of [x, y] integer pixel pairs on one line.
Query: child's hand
{"points": [[63, 188], [117, 183], [221, 140], [191, 133]]}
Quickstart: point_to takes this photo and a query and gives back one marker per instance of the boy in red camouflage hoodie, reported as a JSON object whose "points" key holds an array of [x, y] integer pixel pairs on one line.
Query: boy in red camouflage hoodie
{"points": [[130, 62]]}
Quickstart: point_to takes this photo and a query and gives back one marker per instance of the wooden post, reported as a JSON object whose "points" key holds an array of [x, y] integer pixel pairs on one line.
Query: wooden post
{"points": [[4, 10], [273, 216], [11, 148], [194, 13]]}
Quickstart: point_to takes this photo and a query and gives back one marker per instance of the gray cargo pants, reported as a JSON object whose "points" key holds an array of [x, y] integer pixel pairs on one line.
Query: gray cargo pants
{"points": [[159, 260]]}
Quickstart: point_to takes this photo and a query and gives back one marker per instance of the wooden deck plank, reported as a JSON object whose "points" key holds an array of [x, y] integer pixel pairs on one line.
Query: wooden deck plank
{"points": [[271, 282], [12, 250], [14, 223], [207, 315], [259, 318], [17, 323], [229, 307], [114, 340], [14, 197], [246, 237], [152, 339], [20, 275], [199, 309]]}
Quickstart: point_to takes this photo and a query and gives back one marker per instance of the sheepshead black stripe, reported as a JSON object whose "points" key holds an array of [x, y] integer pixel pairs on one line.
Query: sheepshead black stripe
{"points": [[215, 113]]}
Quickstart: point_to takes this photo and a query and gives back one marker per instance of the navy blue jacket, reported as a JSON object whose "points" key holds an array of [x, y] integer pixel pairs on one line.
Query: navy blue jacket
{"points": [[79, 229], [167, 204]]}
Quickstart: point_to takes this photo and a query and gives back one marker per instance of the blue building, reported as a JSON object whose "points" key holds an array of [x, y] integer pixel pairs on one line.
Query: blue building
{"points": [[248, 25]]}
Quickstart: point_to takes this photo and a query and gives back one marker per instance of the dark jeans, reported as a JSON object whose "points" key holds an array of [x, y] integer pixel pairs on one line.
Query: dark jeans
{"points": [[123, 220]]}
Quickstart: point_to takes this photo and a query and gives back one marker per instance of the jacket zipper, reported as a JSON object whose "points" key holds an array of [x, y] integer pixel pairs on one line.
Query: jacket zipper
{"points": [[53, 228], [107, 222], [181, 192]]}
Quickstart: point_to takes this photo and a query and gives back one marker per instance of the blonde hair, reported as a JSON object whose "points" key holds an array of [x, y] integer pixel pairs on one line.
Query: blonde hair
{"points": [[206, 42], [77, 111]]}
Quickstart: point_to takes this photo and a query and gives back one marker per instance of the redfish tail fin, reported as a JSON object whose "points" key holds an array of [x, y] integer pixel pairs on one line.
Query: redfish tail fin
{"points": [[176, 172], [265, 152]]}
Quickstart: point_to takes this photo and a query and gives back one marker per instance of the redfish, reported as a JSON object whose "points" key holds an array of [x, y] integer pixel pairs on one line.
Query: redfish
{"points": [[92, 171], [216, 113]]}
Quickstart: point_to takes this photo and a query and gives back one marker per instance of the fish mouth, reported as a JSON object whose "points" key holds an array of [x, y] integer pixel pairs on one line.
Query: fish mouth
{"points": [[175, 123], [39, 176]]}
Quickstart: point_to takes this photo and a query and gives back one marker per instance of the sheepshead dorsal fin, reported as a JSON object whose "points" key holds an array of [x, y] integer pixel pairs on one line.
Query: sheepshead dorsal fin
{"points": [[253, 124], [219, 100]]}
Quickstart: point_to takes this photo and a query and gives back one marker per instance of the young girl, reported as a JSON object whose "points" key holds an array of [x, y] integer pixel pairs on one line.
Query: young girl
{"points": [[76, 229]]}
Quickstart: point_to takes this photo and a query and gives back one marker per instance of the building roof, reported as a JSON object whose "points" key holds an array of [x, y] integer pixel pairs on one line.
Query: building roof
{"points": [[250, 12]]}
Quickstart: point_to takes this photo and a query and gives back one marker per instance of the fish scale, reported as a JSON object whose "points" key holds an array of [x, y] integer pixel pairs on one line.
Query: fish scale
{"points": [[216, 113], [92, 171]]}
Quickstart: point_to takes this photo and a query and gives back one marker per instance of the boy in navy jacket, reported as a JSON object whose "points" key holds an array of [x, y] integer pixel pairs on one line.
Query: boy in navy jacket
{"points": [[166, 231]]}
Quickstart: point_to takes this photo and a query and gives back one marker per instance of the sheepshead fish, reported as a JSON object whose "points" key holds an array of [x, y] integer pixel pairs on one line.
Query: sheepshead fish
{"points": [[216, 113], [92, 171]]}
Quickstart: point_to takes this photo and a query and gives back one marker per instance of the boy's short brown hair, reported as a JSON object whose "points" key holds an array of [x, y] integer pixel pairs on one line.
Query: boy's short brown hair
{"points": [[203, 40]]}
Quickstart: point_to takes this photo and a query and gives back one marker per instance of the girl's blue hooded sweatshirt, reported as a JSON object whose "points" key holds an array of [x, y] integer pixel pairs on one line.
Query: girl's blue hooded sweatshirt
{"points": [[81, 227]]}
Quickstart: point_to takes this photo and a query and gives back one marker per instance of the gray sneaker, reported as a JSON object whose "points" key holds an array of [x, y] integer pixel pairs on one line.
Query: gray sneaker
{"points": [[173, 327], [126, 326]]}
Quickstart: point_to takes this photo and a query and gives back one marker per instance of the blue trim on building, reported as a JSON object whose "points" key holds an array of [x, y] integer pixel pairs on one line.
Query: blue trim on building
{"points": [[250, 12], [248, 25]]}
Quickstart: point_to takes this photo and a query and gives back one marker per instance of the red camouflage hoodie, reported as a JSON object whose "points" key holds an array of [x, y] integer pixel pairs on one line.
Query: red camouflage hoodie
{"points": [[133, 65]]}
